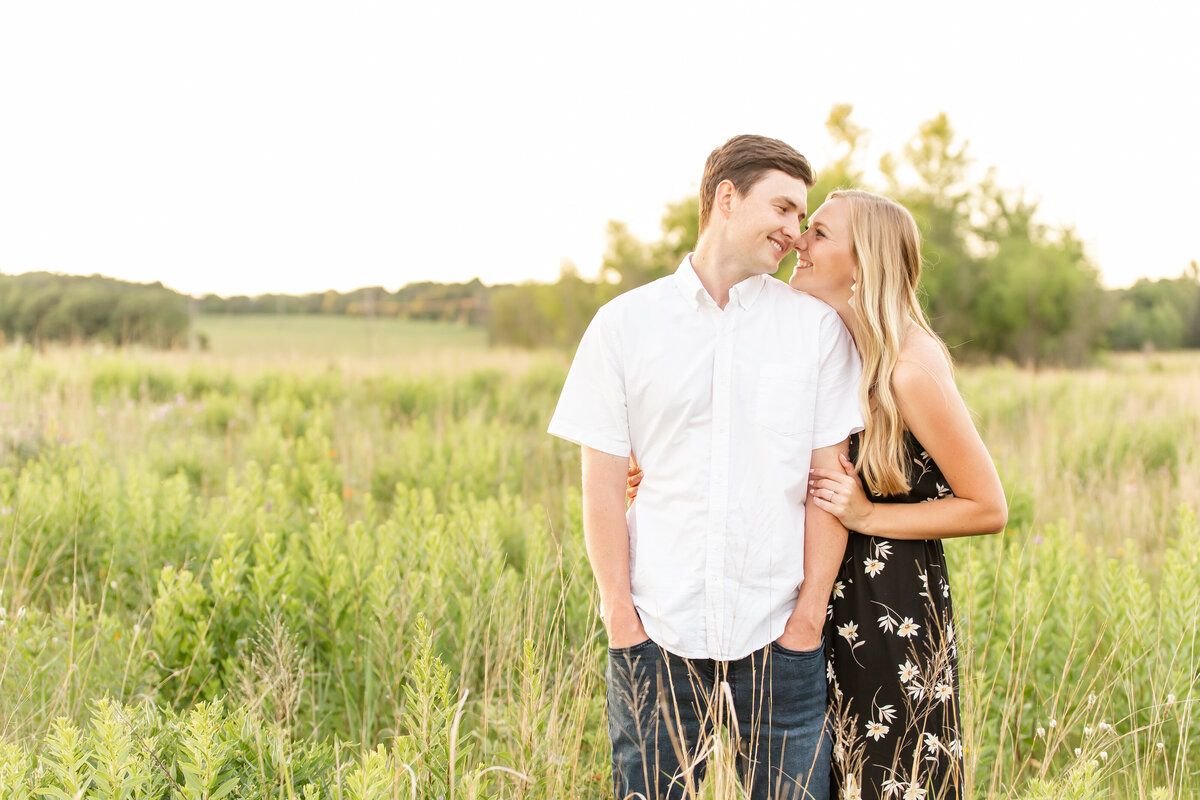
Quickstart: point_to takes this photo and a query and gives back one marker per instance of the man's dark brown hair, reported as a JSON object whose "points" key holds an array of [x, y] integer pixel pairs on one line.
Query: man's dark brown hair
{"points": [[743, 160]]}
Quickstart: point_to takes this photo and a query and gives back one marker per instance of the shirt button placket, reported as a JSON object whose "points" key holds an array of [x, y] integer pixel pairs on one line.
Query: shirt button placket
{"points": [[718, 493]]}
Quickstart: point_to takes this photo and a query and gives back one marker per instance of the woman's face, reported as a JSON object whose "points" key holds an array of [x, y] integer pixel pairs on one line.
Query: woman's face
{"points": [[825, 266]]}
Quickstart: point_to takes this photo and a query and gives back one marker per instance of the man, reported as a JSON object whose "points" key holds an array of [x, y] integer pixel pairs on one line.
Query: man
{"points": [[727, 385]]}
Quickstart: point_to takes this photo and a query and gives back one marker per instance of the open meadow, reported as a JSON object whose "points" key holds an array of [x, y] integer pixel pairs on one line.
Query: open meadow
{"points": [[341, 562]]}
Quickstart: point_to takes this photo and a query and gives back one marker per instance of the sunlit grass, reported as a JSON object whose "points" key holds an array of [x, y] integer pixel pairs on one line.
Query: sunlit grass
{"points": [[371, 566]]}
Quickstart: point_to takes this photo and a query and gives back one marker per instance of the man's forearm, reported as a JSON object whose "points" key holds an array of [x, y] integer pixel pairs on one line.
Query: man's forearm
{"points": [[824, 549], [606, 536]]}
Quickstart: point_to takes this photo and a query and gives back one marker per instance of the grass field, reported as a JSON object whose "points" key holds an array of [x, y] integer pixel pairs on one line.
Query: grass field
{"points": [[322, 561], [333, 336]]}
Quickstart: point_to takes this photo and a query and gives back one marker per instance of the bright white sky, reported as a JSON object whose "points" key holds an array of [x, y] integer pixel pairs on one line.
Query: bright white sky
{"points": [[252, 146]]}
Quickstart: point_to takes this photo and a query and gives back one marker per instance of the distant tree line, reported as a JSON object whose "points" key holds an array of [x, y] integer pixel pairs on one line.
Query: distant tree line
{"points": [[440, 302], [40, 307], [997, 283]]}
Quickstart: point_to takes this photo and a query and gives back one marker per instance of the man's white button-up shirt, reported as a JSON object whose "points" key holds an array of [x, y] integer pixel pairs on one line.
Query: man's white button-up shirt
{"points": [[723, 408]]}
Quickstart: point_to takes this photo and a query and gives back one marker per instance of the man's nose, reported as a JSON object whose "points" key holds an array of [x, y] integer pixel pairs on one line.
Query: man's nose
{"points": [[792, 230]]}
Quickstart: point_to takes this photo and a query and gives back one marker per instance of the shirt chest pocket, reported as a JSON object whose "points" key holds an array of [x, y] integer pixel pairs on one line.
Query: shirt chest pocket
{"points": [[786, 399]]}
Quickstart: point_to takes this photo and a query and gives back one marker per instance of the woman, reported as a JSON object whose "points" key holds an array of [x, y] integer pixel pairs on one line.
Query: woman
{"points": [[893, 669]]}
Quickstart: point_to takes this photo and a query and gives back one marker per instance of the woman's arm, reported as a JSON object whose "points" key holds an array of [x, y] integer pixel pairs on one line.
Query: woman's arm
{"points": [[934, 411]]}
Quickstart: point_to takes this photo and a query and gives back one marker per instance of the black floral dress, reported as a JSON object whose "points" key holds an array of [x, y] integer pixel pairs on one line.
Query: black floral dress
{"points": [[893, 666]]}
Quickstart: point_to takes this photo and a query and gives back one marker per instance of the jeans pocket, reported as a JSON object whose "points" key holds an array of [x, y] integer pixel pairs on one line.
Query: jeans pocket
{"points": [[778, 649], [632, 650]]}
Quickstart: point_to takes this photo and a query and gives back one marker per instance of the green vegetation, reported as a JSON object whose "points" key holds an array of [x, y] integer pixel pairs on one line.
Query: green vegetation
{"points": [[273, 336], [997, 284], [361, 580], [38, 307]]}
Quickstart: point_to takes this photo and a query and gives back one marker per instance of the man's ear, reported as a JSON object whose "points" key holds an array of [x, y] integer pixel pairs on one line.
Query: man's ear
{"points": [[723, 201]]}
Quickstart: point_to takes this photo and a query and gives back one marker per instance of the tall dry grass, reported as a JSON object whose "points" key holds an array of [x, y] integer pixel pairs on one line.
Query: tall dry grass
{"points": [[357, 578]]}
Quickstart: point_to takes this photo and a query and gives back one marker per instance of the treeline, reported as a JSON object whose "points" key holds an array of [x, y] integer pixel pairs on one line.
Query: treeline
{"points": [[998, 284], [40, 307], [440, 302]]}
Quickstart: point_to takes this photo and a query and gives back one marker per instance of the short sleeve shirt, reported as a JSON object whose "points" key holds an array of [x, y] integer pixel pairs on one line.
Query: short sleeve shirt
{"points": [[723, 408]]}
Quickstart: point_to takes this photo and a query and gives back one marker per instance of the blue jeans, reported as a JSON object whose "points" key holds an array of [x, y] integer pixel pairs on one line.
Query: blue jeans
{"points": [[662, 709]]}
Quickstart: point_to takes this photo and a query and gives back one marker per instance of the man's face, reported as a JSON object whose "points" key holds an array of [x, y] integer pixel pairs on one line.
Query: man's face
{"points": [[765, 223]]}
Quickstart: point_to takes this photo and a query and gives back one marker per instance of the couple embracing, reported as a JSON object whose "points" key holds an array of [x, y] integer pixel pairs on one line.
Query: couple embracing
{"points": [[768, 420]]}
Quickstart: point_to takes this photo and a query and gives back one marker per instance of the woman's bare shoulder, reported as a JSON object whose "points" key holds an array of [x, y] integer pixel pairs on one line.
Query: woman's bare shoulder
{"points": [[923, 378]]}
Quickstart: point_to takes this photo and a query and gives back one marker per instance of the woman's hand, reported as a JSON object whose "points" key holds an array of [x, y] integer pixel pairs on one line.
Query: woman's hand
{"points": [[841, 494], [634, 478]]}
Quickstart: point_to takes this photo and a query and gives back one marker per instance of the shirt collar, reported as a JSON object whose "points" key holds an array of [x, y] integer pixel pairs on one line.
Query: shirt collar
{"points": [[742, 294]]}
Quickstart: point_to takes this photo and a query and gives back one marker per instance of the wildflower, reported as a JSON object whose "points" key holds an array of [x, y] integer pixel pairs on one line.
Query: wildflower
{"points": [[1088, 731], [5, 511], [943, 692], [1159, 747], [1040, 732], [1170, 699], [839, 589], [850, 790], [1104, 726], [849, 631], [1094, 763], [877, 730], [873, 567], [892, 787], [1078, 751], [955, 747], [914, 792], [1104, 755], [1038, 540], [908, 671], [908, 628], [1091, 700], [1053, 722], [828, 670], [932, 743]]}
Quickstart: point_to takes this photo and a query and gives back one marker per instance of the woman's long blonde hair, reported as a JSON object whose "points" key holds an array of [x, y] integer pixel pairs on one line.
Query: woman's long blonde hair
{"points": [[887, 248]]}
